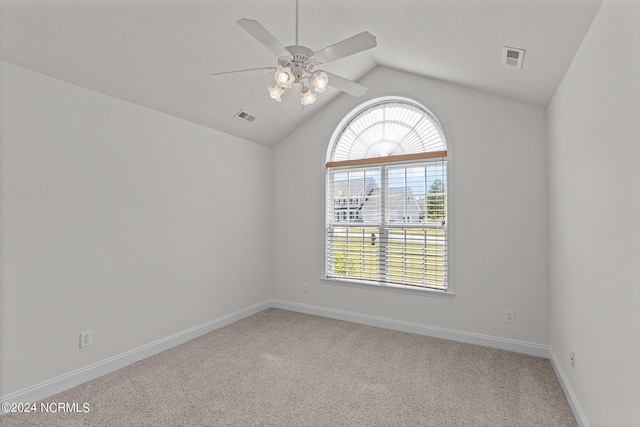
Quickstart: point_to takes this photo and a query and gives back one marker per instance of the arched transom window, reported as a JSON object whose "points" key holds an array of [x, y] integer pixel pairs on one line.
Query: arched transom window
{"points": [[386, 197]]}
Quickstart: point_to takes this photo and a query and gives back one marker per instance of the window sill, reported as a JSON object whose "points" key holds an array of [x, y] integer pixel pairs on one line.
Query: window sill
{"points": [[389, 287]]}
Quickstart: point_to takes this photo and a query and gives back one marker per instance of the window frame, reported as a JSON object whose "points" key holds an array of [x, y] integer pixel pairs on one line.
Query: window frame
{"points": [[400, 160]]}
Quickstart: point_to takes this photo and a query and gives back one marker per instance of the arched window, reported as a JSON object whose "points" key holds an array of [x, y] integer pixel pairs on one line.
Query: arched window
{"points": [[386, 197]]}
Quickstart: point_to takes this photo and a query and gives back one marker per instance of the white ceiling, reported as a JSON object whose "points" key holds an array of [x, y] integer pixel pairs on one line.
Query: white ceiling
{"points": [[159, 53]]}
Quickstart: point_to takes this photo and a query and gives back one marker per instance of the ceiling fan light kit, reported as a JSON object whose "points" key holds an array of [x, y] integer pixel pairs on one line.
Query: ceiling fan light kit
{"points": [[276, 92], [284, 77], [296, 65], [319, 80], [308, 97]]}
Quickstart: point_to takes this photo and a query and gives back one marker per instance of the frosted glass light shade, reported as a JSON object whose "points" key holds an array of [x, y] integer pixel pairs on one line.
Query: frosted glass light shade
{"points": [[275, 92], [284, 77], [319, 80], [308, 97]]}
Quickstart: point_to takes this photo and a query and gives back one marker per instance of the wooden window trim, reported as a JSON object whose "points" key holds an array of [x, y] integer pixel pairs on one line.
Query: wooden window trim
{"points": [[388, 159]]}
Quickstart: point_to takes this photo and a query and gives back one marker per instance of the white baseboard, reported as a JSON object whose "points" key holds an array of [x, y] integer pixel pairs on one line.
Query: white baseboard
{"points": [[417, 328], [88, 373], [581, 418], [449, 334]]}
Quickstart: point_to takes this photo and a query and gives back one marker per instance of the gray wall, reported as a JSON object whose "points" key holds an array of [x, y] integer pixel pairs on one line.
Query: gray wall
{"points": [[499, 206], [124, 220], [594, 216], [119, 219]]}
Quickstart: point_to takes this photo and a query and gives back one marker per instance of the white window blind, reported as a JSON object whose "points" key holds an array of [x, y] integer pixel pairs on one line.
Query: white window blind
{"points": [[388, 224], [386, 218]]}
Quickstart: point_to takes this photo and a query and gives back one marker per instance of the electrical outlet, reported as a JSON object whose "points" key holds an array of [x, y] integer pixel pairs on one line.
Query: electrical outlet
{"points": [[86, 339], [509, 316], [573, 360], [306, 288]]}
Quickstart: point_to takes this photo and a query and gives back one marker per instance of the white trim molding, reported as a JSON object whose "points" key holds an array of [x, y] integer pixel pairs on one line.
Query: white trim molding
{"points": [[64, 382], [581, 418], [420, 329]]}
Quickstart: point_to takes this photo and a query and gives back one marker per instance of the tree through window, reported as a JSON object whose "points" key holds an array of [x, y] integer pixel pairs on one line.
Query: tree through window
{"points": [[386, 197]]}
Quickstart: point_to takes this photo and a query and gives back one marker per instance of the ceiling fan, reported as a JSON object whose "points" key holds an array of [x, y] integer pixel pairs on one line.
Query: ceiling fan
{"points": [[297, 64]]}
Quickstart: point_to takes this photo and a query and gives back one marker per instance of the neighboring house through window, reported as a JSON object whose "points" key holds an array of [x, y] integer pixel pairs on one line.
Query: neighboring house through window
{"points": [[386, 197]]}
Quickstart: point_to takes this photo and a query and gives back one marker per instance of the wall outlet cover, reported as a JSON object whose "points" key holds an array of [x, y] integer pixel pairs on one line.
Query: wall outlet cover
{"points": [[509, 316], [86, 339]]}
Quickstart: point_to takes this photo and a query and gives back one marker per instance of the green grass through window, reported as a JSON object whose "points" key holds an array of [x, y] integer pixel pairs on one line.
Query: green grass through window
{"points": [[413, 256]]}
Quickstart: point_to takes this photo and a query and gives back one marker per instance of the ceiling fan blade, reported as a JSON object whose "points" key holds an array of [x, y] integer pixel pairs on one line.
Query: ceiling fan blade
{"points": [[240, 73], [363, 41], [340, 83], [263, 36], [290, 96]]}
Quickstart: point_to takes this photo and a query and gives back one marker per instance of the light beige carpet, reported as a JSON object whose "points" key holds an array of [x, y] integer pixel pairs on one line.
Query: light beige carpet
{"points": [[280, 368]]}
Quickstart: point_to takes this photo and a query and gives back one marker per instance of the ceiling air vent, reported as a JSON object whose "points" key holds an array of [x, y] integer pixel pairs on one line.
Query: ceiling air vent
{"points": [[244, 116], [512, 57]]}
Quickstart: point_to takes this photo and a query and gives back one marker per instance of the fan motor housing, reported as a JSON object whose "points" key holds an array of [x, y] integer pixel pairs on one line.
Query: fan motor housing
{"points": [[300, 62]]}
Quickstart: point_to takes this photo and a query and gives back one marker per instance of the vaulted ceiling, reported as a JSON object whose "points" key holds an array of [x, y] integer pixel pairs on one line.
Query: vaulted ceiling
{"points": [[159, 53]]}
